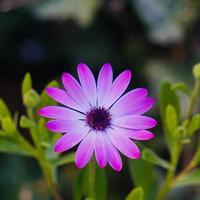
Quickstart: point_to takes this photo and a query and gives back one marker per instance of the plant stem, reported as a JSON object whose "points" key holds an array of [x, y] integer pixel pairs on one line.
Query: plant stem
{"points": [[47, 170], [170, 174], [92, 177], [193, 98]]}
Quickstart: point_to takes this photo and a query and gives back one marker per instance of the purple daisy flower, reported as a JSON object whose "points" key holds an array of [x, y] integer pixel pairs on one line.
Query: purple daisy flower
{"points": [[98, 117]]}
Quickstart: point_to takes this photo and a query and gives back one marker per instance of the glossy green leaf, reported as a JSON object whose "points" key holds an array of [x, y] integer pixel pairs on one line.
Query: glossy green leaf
{"points": [[8, 125], [26, 83], [181, 87], [171, 118], [193, 178], [4, 111], [136, 194], [194, 124], [144, 175], [151, 157], [10, 146]]}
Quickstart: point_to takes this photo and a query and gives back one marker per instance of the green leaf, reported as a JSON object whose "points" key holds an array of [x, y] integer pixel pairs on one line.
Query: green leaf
{"points": [[8, 125], [4, 111], [26, 83], [101, 184], [136, 194], [168, 96], [65, 159], [181, 87], [82, 184], [151, 157], [193, 178], [89, 198], [171, 118], [144, 175], [194, 124], [10, 146], [26, 122], [45, 99]]}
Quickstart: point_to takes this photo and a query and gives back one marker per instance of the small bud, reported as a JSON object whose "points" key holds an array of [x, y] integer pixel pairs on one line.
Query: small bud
{"points": [[25, 122], [31, 98], [196, 71]]}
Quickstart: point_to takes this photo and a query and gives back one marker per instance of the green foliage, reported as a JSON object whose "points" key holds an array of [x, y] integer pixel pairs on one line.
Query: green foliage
{"points": [[136, 194], [194, 124], [196, 71], [31, 99], [168, 96], [144, 175], [82, 184], [170, 113], [4, 111], [181, 87], [193, 178], [45, 99], [26, 83], [8, 125], [25, 122], [151, 157], [8, 145], [171, 118]]}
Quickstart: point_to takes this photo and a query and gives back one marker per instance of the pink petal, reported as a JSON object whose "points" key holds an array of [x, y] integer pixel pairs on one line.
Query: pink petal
{"points": [[74, 90], [70, 139], [88, 83], [135, 134], [133, 95], [104, 83], [118, 87], [134, 107], [124, 144], [63, 126], [58, 112], [85, 150], [100, 149], [135, 122], [114, 158], [62, 97]]}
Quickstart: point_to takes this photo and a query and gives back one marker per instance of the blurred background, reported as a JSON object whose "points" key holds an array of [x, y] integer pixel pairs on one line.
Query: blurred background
{"points": [[156, 39]]}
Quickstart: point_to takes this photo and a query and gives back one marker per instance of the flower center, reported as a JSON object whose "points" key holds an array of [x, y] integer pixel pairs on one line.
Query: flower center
{"points": [[98, 118]]}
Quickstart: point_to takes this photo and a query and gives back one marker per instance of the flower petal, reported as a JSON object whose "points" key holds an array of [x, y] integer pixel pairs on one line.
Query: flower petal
{"points": [[88, 83], [124, 144], [62, 97], [104, 83], [63, 126], [58, 112], [135, 134], [85, 150], [133, 95], [135, 122], [100, 149], [118, 87], [134, 107], [70, 139], [114, 158], [74, 90]]}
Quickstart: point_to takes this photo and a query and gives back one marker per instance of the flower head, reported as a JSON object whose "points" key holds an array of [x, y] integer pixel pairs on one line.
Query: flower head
{"points": [[99, 117]]}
